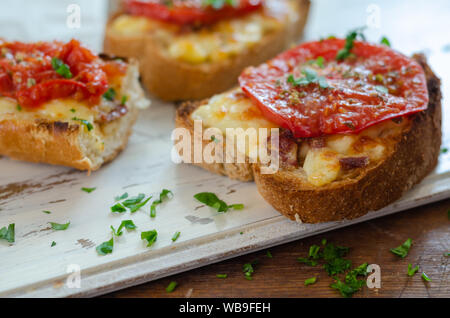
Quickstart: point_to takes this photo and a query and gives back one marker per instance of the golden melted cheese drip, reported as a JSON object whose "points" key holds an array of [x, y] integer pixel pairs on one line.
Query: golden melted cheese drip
{"points": [[321, 165], [214, 43]]}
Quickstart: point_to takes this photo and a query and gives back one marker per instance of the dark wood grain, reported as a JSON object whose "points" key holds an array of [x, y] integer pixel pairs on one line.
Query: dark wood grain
{"points": [[283, 276]]}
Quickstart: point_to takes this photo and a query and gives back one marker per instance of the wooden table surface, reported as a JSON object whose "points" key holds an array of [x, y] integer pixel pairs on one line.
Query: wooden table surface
{"points": [[283, 276]]}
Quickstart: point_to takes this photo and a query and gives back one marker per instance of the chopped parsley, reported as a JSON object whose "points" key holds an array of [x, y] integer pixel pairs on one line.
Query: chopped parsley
{"points": [[249, 269], [269, 254], [310, 281], [61, 68], [86, 123], [110, 94], [88, 190], [351, 284], [53, 244], [171, 287], [128, 224], [403, 249], [311, 77], [19, 108], [133, 204], [118, 208], [425, 277], [218, 4], [73, 110], [176, 236], [121, 197], [349, 43], [411, 270], [106, 247], [150, 237], [8, 234], [162, 196], [47, 212], [59, 227], [124, 100], [444, 150], [318, 61], [222, 276], [211, 200], [385, 41]]}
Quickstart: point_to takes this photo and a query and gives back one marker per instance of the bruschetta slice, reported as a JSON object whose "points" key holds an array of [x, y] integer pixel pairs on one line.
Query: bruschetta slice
{"points": [[360, 124], [62, 104], [191, 50]]}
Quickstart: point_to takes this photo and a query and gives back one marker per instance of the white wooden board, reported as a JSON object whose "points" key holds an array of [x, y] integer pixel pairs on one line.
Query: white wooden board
{"points": [[30, 267]]}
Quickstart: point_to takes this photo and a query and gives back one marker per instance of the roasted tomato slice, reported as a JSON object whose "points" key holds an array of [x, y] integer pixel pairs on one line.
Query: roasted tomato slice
{"points": [[190, 12], [310, 92], [28, 72]]}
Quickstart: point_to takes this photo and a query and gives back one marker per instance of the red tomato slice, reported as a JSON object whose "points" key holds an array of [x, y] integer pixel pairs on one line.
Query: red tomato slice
{"points": [[190, 12], [27, 74], [324, 96]]}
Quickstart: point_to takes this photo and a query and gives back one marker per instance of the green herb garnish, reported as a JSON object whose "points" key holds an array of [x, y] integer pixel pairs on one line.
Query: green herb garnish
{"points": [[61, 68], [47, 212], [444, 150], [121, 197], [110, 94], [403, 249], [171, 287], [118, 208], [162, 196], [411, 270], [311, 77], [86, 123], [19, 108], [128, 224], [221, 275], [349, 43], [218, 4], [53, 244], [211, 200], [425, 277], [269, 254], [135, 203], [150, 237], [310, 281], [124, 100], [88, 190], [385, 41], [8, 234], [59, 227], [105, 247], [351, 283], [176, 236], [248, 269]]}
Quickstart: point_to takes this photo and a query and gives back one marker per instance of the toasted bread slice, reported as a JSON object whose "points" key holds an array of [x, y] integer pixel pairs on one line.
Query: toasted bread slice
{"points": [[410, 152], [51, 135], [173, 79]]}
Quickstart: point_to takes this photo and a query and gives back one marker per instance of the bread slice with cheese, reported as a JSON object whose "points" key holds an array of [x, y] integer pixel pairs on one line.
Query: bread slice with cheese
{"points": [[334, 177], [191, 65], [69, 132]]}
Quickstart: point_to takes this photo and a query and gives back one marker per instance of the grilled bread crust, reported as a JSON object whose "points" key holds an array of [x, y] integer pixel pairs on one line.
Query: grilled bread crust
{"points": [[410, 160], [68, 144], [172, 80]]}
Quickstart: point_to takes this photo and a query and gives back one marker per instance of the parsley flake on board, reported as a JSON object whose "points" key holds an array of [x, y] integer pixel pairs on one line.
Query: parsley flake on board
{"points": [[8, 234], [425, 277], [118, 208], [222, 276], [211, 200], [150, 237], [162, 196], [88, 190], [133, 204], [411, 270], [403, 249], [176, 236], [121, 197], [61, 68], [53, 244], [59, 227], [106, 247], [46, 212], [128, 224]]}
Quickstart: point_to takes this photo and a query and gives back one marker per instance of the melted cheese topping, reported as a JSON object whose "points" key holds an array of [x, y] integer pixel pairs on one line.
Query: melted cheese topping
{"points": [[218, 42], [321, 165]]}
